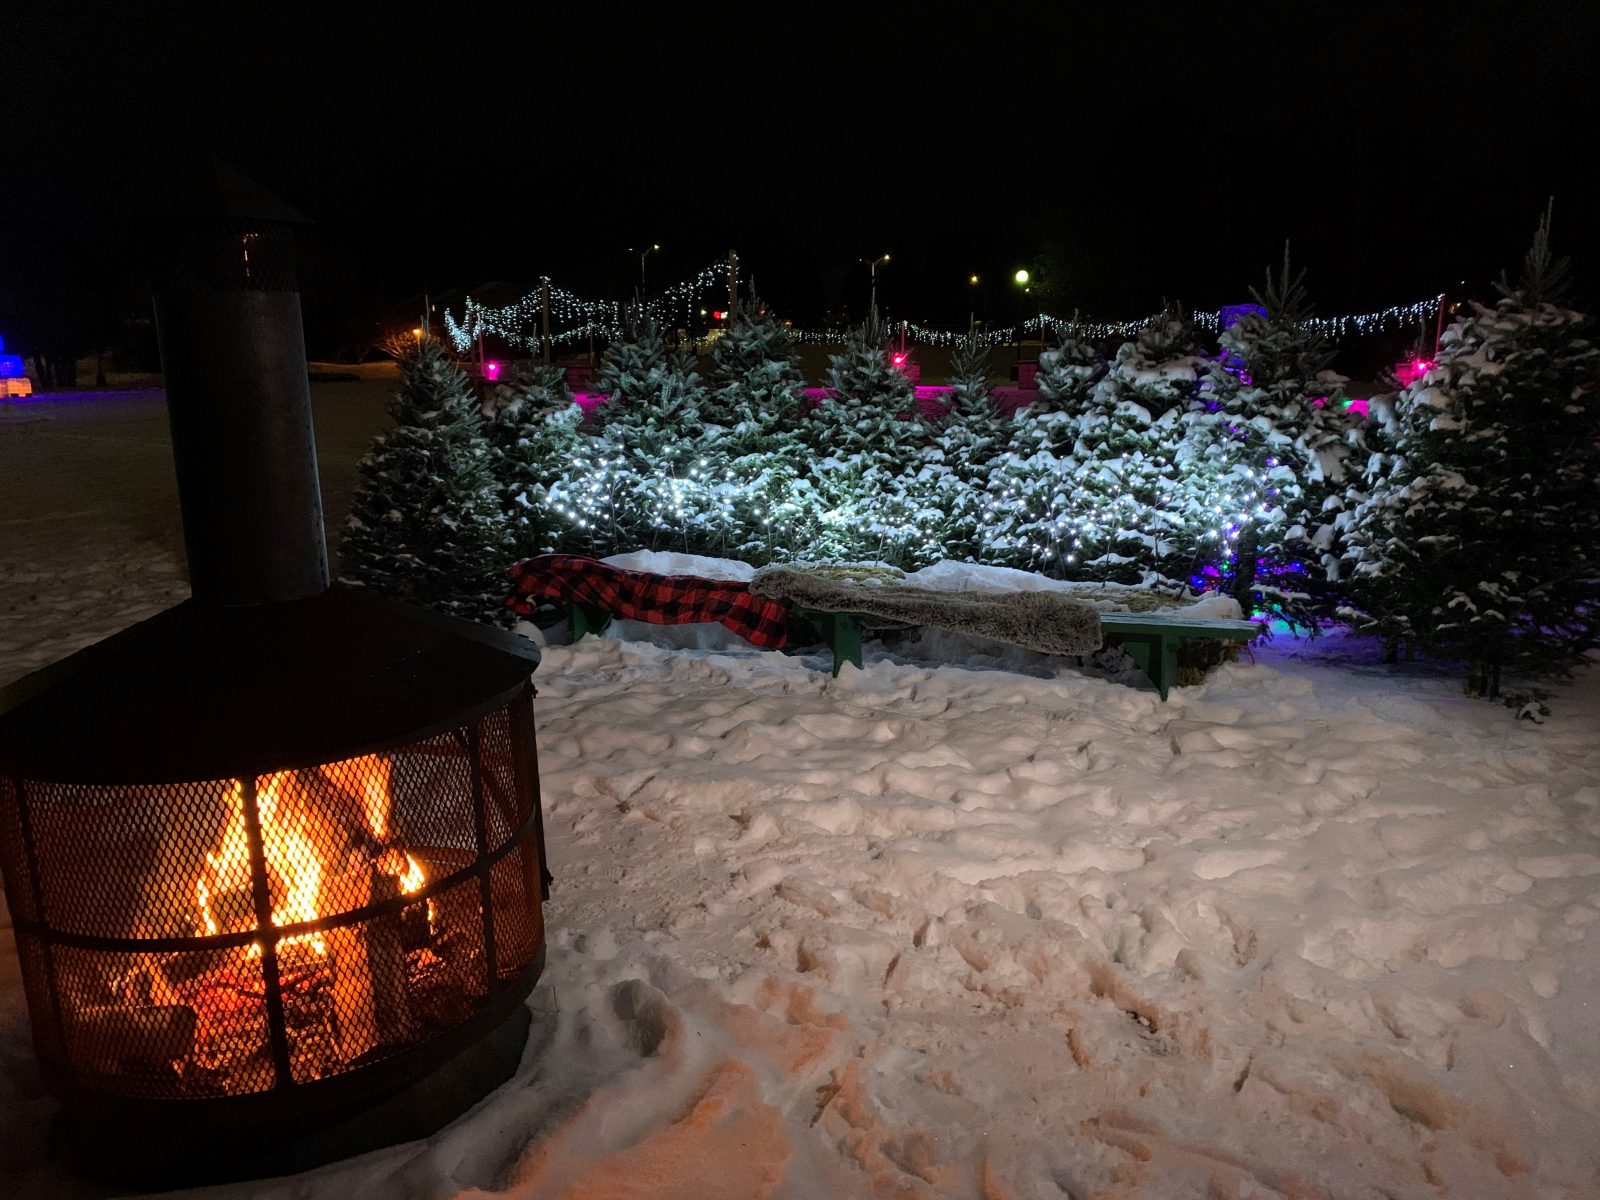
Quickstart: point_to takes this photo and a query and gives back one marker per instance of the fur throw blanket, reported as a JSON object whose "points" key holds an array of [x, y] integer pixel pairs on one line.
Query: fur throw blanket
{"points": [[1045, 621]]}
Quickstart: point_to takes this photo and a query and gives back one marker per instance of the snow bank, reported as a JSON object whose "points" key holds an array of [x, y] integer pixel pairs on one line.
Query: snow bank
{"points": [[667, 562]]}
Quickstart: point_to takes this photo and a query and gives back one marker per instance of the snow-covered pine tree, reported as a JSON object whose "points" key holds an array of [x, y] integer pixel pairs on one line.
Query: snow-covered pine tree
{"points": [[871, 408], [866, 437], [1278, 422], [1031, 481], [536, 440], [954, 480], [751, 423], [1067, 374], [1126, 510], [755, 378], [1476, 535], [426, 523], [1160, 369], [652, 447]]}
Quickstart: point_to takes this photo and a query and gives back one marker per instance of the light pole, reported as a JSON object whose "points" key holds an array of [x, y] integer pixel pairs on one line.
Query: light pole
{"points": [[872, 267], [1021, 280], [972, 315], [644, 254]]}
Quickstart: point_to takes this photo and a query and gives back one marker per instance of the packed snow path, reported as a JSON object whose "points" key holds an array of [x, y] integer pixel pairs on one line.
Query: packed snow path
{"points": [[1000, 930]]}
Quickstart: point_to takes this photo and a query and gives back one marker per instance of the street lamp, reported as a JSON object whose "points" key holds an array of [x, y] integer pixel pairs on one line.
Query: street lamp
{"points": [[873, 269], [644, 254], [1021, 280], [972, 315]]}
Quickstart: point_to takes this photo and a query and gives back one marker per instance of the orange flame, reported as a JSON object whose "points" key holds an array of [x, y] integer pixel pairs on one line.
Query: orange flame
{"points": [[373, 772], [295, 863], [291, 855]]}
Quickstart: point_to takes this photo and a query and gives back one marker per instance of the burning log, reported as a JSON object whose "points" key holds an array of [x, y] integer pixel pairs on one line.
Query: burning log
{"points": [[369, 973], [152, 1035]]}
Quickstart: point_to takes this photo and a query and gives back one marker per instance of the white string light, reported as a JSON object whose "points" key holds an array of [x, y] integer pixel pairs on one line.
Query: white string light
{"points": [[607, 319]]}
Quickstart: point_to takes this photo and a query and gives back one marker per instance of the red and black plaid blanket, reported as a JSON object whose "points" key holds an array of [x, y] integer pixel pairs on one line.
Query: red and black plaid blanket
{"points": [[644, 596]]}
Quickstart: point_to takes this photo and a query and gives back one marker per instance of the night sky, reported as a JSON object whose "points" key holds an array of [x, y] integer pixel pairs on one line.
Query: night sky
{"points": [[1122, 153]]}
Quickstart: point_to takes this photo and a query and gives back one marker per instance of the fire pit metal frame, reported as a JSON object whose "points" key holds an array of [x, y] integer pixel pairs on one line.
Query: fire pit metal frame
{"points": [[268, 672], [28, 902]]}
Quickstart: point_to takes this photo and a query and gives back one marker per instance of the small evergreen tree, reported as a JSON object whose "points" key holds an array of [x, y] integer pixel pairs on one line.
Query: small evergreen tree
{"points": [[755, 378], [751, 432], [653, 399], [955, 478], [1124, 506], [1159, 370], [1278, 419], [535, 434], [865, 437], [1067, 374], [871, 407], [1476, 535], [426, 523], [651, 447], [1029, 505]]}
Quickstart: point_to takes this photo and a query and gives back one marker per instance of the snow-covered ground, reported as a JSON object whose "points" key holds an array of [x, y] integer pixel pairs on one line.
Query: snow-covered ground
{"points": [[969, 924]]}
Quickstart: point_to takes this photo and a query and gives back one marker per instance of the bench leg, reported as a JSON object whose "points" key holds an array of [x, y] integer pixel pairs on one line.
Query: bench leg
{"points": [[1169, 666], [844, 635], [1155, 656], [586, 618]]}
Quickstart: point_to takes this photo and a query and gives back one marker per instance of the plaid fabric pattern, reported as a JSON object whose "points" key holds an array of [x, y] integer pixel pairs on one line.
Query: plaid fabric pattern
{"points": [[644, 596]]}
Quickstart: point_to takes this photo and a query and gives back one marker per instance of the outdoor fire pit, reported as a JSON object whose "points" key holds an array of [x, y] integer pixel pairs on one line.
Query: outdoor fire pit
{"points": [[273, 857]]}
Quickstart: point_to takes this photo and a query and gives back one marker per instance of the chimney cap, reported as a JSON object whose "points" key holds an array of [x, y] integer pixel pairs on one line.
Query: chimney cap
{"points": [[214, 190]]}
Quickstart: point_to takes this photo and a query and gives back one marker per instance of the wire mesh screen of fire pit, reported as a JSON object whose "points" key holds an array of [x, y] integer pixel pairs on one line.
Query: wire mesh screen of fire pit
{"points": [[275, 875], [234, 936]]}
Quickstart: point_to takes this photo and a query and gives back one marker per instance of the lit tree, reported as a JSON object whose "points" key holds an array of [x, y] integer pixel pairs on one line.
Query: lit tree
{"points": [[1130, 509], [1475, 535], [949, 486], [755, 378], [752, 442], [1277, 417], [865, 436], [1031, 490], [651, 448], [535, 434]]}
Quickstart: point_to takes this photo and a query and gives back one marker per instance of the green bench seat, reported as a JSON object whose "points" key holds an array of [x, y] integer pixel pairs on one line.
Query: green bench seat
{"points": [[1150, 639]]}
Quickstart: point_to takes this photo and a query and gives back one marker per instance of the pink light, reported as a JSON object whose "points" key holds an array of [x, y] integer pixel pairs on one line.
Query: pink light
{"points": [[1409, 372], [899, 360], [491, 369]]}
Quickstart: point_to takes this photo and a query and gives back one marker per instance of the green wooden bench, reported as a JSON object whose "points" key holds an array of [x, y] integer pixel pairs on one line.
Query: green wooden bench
{"points": [[586, 618], [1150, 639]]}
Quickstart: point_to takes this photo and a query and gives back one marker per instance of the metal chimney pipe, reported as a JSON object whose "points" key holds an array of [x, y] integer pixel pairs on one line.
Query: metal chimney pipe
{"points": [[228, 317]]}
